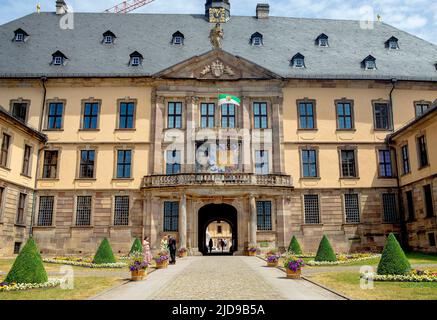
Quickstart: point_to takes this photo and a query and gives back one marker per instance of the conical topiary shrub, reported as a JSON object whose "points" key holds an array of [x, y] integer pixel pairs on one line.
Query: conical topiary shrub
{"points": [[393, 259], [28, 266], [104, 253], [325, 251], [294, 246], [136, 246]]}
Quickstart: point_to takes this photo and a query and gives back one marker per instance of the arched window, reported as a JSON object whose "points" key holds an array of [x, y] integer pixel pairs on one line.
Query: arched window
{"points": [[136, 59], [178, 38], [322, 40], [392, 43], [256, 39], [298, 61], [369, 63]]}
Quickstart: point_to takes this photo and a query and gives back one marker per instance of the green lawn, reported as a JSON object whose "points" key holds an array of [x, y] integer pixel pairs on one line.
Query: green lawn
{"points": [[348, 283]]}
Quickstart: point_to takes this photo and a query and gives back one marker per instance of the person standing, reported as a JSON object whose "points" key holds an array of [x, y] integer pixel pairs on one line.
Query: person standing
{"points": [[164, 243], [147, 254], [172, 248], [210, 245]]}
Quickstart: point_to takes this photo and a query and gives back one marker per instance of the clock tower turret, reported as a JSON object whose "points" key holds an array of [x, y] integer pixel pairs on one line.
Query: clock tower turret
{"points": [[217, 11]]}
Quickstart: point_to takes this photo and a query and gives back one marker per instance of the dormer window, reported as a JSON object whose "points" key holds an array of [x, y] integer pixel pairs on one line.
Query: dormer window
{"points": [[135, 59], [392, 43], [256, 39], [20, 35], [58, 58], [178, 38], [322, 40], [298, 61], [369, 63], [108, 37]]}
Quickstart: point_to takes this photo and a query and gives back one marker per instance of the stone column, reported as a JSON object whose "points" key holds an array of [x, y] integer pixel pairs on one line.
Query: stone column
{"points": [[183, 222], [157, 128], [253, 224]]}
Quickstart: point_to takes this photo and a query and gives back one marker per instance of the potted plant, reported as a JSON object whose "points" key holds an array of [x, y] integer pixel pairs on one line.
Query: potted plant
{"points": [[293, 266], [252, 251], [182, 253], [161, 260], [272, 258], [137, 266]]}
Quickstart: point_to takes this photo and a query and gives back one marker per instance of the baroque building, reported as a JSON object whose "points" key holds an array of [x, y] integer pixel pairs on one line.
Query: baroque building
{"points": [[140, 143]]}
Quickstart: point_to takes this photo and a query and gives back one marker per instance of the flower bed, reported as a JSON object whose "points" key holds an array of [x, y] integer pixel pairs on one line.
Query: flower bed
{"points": [[6, 287], [83, 262], [413, 276], [344, 259]]}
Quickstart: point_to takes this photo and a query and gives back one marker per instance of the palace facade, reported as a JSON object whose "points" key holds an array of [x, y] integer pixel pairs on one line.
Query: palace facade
{"points": [[139, 145]]}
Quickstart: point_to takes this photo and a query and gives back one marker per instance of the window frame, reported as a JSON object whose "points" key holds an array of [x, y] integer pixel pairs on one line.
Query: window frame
{"points": [[13, 102], [314, 115], [175, 115], [174, 219], [389, 115], [80, 176], [355, 152], [5, 154], [207, 116], [419, 150], [380, 150], [428, 202], [48, 116], [227, 117], [395, 201], [266, 217], [344, 101], [91, 211], [411, 211], [114, 218], [302, 164], [173, 165], [260, 116], [421, 103], [319, 215], [22, 221], [83, 108], [134, 115], [52, 217], [117, 150], [266, 154], [345, 195], [3, 191], [26, 168], [405, 162], [43, 166]]}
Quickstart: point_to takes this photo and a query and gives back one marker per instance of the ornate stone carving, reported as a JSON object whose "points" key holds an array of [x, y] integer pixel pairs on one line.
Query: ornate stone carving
{"points": [[217, 69], [216, 36]]}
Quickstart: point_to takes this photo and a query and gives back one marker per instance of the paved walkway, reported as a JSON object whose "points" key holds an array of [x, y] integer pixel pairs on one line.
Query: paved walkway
{"points": [[218, 277]]}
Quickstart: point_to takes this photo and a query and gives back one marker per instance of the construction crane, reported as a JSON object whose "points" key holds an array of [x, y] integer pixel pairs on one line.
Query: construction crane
{"points": [[128, 6]]}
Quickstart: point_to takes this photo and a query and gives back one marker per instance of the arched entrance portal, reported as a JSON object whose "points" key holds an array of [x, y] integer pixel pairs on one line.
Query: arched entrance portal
{"points": [[213, 213]]}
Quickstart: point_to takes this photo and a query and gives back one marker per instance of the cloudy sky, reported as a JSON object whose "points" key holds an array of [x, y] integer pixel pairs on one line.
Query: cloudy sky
{"points": [[418, 17]]}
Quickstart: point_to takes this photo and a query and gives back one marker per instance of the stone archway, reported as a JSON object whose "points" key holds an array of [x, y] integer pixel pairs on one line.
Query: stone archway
{"points": [[214, 212]]}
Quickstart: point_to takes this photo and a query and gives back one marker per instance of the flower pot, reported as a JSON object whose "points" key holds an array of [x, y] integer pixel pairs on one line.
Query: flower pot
{"points": [[293, 274], [182, 254], [273, 264], [138, 275], [252, 253], [162, 265]]}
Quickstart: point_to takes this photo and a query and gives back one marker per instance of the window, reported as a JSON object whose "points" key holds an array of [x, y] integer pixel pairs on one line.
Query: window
{"points": [[124, 159], [431, 239], [90, 115], [6, 142], [19, 110], [108, 37], [309, 163], [50, 166], [264, 215], [298, 61], [382, 116], [392, 43], [422, 152], [385, 167], [45, 212], [429, 207], [127, 115], [405, 159], [121, 211], [58, 58], [19, 37], [311, 209], [175, 115], [108, 40], [228, 115], [260, 119], [410, 205], [83, 211], [345, 120], [171, 216], [256, 39], [219, 229], [207, 115], [322, 40], [57, 61], [26, 160], [173, 165], [17, 247], [421, 108], [55, 115], [2, 193], [87, 160], [369, 63], [348, 164], [178, 38], [135, 59], [352, 208], [262, 162], [306, 111], [21, 207], [390, 212]]}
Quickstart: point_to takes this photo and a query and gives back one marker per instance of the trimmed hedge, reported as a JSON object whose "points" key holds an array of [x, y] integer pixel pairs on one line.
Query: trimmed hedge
{"points": [[104, 254], [136, 246], [393, 260], [294, 246], [28, 266], [325, 251]]}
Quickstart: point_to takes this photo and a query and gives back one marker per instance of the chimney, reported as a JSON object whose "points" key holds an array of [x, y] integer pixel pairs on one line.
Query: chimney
{"points": [[61, 7], [262, 10]]}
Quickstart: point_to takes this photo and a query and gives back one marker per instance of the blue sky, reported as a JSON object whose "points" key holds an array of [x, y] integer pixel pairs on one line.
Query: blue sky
{"points": [[418, 17]]}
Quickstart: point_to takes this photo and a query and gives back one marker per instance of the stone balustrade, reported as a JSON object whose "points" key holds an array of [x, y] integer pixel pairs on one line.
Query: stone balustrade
{"points": [[187, 179]]}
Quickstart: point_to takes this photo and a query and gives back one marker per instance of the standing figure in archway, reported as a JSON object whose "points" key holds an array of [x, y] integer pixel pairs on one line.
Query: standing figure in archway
{"points": [[210, 245]]}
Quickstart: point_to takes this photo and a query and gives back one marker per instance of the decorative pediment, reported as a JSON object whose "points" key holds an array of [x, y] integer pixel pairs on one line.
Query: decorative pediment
{"points": [[216, 65]]}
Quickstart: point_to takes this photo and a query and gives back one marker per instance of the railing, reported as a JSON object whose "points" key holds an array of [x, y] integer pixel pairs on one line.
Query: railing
{"points": [[187, 179]]}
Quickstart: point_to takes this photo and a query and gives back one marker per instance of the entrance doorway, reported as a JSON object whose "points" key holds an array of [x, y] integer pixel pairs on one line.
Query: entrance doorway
{"points": [[213, 216]]}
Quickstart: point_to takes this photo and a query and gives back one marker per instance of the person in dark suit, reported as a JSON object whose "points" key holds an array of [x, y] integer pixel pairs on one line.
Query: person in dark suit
{"points": [[172, 248]]}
